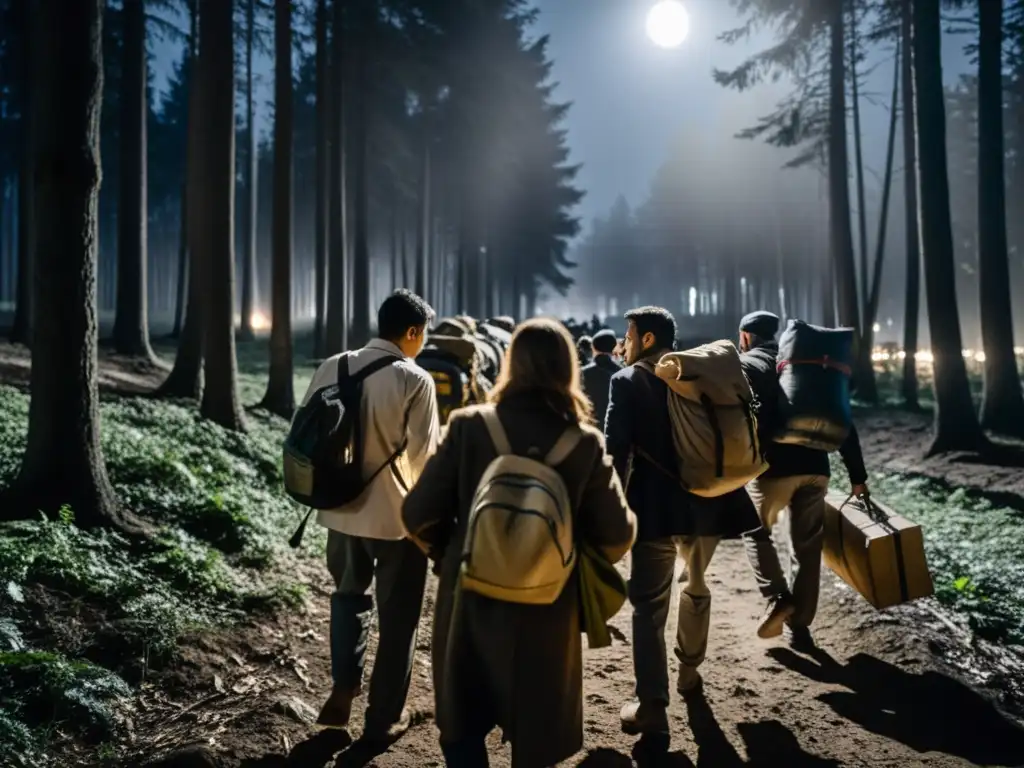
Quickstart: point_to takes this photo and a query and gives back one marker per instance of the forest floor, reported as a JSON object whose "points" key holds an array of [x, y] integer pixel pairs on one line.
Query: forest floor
{"points": [[939, 682]]}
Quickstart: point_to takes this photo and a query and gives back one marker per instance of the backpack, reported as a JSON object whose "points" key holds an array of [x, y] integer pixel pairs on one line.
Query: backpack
{"points": [[451, 383], [814, 366], [323, 453], [519, 545], [714, 426]]}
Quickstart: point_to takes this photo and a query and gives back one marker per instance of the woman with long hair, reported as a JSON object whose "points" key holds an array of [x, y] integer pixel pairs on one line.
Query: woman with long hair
{"points": [[515, 666]]}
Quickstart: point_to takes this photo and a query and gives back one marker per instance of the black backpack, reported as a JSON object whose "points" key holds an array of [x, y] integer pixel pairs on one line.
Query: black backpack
{"points": [[323, 453]]}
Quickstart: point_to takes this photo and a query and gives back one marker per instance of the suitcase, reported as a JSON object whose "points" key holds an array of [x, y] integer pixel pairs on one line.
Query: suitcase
{"points": [[875, 551]]}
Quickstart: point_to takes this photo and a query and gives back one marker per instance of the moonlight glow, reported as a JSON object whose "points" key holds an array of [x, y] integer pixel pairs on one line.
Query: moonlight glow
{"points": [[668, 24]]}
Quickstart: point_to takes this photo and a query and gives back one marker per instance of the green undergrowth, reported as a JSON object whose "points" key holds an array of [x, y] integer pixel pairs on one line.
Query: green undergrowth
{"points": [[975, 550], [85, 615]]}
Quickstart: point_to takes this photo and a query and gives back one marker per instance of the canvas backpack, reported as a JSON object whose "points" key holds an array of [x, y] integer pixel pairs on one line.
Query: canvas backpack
{"points": [[519, 545], [323, 452], [714, 425]]}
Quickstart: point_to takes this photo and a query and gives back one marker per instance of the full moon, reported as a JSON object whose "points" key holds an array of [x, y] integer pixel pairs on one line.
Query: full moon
{"points": [[668, 23]]}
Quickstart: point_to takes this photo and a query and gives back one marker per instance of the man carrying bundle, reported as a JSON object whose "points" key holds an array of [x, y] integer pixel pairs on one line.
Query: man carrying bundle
{"points": [[673, 521], [797, 478]]}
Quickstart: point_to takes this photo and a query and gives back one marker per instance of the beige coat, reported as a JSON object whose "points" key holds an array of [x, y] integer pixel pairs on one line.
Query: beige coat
{"points": [[518, 667]]}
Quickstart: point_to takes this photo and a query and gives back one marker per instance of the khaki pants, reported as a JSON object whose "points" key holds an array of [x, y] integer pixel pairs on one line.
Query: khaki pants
{"points": [[804, 495], [651, 577]]}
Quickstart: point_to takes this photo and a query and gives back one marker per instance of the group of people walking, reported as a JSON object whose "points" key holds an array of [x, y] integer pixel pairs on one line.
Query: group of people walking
{"points": [[604, 435]]}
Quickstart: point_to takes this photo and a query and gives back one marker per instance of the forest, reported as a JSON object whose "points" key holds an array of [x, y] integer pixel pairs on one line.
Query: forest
{"points": [[176, 260]]}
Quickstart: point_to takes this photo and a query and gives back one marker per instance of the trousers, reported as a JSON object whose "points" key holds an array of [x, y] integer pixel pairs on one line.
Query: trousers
{"points": [[398, 572]]}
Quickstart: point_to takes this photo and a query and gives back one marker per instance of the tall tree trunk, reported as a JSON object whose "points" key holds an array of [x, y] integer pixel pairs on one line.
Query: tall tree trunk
{"points": [[423, 219], [862, 213], [248, 304], [186, 377], [217, 252], [322, 165], [956, 424], [131, 318], [337, 279], [841, 234], [396, 277], [63, 461], [280, 397], [21, 329], [866, 385], [361, 183], [912, 297], [1002, 408], [404, 255], [181, 286]]}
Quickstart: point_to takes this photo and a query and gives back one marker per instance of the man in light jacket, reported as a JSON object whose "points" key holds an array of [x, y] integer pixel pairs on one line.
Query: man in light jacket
{"points": [[366, 540]]}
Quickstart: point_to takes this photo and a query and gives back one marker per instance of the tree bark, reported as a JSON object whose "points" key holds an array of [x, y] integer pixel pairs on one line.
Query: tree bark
{"points": [[423, 223], [181, 287], [912, 296], [131, 318], [63, 462], [956, 424], [186, 377], [280, 396], [841, 234], [867, 388], [21, 329], [248, 304], [322, 170], [862, 213], [217, 252], [337, 283], [361, 210], [1002, 407]]}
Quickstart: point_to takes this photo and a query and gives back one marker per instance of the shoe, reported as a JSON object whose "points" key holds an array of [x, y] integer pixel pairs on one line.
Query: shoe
{"points": [[391, 733], [337, 710], [778, 611], [800, 639], [644, 719], [690, 685]]}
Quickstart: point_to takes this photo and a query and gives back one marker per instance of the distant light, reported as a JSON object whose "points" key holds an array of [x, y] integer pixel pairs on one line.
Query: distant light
{"points": [[668, 24], [1018, 351], [876, 327], [259, 321], [979, 357], [693, 301]]}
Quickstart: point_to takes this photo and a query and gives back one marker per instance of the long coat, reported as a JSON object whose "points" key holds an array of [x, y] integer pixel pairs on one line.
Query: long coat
{"points": [[518, 667]]}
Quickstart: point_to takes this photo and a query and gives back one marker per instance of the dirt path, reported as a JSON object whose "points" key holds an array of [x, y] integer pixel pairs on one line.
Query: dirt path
{"points": [[876, 695]]}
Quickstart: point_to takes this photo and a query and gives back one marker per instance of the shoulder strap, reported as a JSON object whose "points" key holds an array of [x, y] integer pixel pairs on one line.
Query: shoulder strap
{"points": [[565, 445], [496, 430], [370, 368], [342, 367]]}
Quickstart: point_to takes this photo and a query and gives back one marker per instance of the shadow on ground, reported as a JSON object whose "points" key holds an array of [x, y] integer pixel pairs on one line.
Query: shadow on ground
{"points": [[928, 712], [769, 744]]}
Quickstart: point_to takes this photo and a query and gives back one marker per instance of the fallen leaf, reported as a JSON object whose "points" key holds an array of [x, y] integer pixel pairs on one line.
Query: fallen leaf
{"points": [[218, 684]]}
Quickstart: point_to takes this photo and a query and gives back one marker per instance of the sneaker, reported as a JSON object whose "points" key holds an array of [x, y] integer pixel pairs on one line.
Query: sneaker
{"points": [[337, 710], [642, 719], [779, 609], [800, 639], [391, 733], [689, 685]]}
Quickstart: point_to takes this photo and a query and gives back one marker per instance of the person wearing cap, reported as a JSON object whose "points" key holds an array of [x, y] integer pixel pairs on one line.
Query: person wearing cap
{"points": [[797, 478], [597, 374]]}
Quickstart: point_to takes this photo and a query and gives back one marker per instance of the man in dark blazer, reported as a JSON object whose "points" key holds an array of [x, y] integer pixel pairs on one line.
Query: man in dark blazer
{"points": [[672, 524], [597, 374]]}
